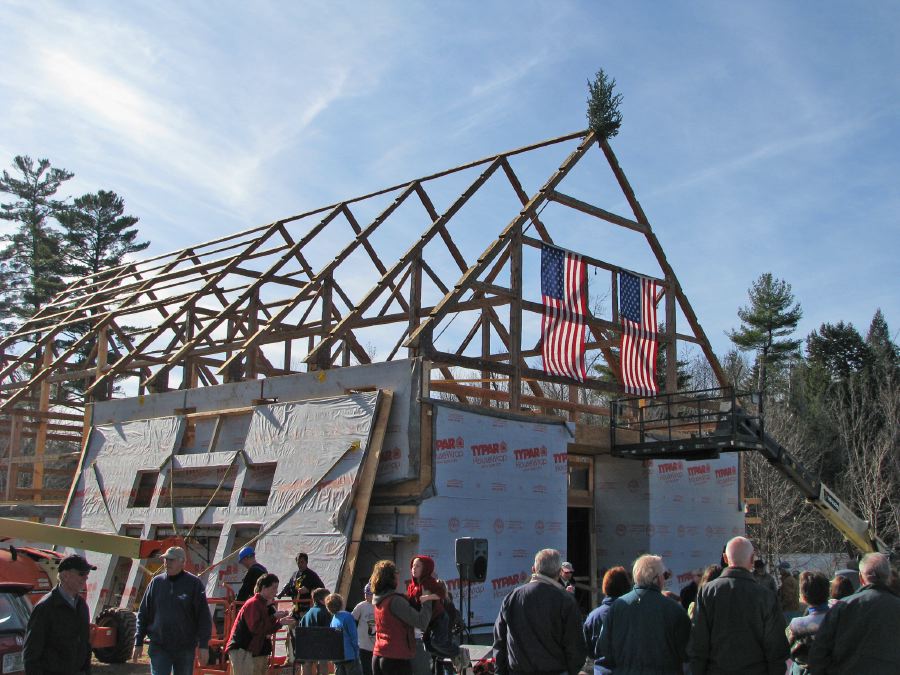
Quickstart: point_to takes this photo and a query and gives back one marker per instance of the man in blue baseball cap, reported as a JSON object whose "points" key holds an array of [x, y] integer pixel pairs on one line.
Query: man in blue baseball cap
{"points": [[247, 558]]}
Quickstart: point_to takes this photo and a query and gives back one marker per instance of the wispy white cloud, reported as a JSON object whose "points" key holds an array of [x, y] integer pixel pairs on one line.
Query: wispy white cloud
{"points": [[764, 153]]}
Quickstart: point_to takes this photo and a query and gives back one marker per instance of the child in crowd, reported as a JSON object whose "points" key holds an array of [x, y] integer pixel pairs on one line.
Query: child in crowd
{"points": [[316, 616], [340, 618], [364, 614], [438, 638]]}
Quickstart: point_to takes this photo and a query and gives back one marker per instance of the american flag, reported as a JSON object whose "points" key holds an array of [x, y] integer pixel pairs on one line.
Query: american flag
{"points": [[564, 294], [640, 345]]}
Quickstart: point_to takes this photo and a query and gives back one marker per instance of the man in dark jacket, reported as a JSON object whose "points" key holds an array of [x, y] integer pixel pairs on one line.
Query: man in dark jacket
{"points": [[738, 626], [300, 586], [247, 559], [645, 632], [538, 629], [861, 634], [58, 638], [174, 614]]}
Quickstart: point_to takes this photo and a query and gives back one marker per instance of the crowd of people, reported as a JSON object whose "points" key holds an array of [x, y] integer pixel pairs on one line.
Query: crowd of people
{"points": [[730, 622], [732, 619]]}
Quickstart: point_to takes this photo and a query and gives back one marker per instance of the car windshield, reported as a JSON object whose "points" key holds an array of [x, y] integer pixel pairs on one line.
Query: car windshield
{"points": [[13, 613]]}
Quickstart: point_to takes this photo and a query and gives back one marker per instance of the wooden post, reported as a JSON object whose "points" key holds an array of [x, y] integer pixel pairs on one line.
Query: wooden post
{"points": [[323, 356], [189, 365], [515, 318], [287, 355], [100, 367], [485, 353], [40, 443], [415, 299], [12, 469], [614, 286], [671, 344], [250, 360]]}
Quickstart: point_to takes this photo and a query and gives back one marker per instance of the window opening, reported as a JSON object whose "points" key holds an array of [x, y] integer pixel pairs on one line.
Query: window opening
{"points": [[257, 484], [195, 486], [142, 493]]}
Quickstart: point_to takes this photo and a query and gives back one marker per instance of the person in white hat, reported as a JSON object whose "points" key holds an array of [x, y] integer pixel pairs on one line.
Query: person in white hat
{"points": [[174, 615]]}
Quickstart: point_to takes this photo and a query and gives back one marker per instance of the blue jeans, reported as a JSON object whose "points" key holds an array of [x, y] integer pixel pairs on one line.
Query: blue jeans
{"points": [[169, 662]]}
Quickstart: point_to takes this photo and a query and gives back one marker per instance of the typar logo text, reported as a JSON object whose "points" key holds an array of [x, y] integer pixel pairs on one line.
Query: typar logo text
{"points": [[699, 474], [489, 454], [726, 476], [670, 471], [449, 449], [561, 461], [529, 459], [503, 585]]}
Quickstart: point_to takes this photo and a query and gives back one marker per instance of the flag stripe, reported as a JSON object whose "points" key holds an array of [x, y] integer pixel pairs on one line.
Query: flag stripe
{"points": [[564, 296], [640, 341]]}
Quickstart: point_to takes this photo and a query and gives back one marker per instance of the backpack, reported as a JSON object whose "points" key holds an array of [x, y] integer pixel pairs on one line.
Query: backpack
{"points": [[442, 637]]}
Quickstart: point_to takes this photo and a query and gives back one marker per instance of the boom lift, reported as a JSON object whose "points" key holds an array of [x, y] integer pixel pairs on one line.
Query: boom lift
{"points": [[702, 424], [112, 633]]}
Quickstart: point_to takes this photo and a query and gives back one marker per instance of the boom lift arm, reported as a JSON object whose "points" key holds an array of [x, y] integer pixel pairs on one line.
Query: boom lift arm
{"points": [[114, 544], [854, 529]]}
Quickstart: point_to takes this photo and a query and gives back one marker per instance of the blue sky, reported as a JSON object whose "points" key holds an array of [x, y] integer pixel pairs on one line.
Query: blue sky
{"points": [[758, 136]]}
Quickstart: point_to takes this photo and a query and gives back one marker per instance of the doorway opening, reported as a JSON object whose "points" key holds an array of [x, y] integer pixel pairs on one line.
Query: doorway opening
{"points": [[578, 546]]}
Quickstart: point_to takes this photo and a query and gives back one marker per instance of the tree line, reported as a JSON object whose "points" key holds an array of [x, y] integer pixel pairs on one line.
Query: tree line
{"points": [[833, 400], [55, 240]]}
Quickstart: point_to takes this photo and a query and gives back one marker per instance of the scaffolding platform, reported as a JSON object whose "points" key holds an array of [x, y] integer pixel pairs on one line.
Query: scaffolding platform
{"points": [[689, 425]]}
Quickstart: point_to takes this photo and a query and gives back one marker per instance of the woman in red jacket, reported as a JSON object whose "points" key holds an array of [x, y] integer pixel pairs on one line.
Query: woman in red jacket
{"points": [[395, 621], [249, 645]]}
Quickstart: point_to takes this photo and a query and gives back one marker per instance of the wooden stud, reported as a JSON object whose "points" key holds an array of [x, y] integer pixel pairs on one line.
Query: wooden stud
{"points": [[365, 482]]}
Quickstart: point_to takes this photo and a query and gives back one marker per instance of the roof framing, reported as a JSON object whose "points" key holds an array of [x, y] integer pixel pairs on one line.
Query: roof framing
{"points": [[264, 302]]}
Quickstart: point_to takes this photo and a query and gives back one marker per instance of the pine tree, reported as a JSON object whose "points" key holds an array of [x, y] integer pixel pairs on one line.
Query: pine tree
{"points": [[97, 237], [96, 234], [838, 349], [31, 261], [766, 322], [603, 114], [882, 349]]}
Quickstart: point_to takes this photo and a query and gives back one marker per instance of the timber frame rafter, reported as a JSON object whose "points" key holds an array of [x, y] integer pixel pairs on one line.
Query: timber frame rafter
{"points": [[285, 297]]}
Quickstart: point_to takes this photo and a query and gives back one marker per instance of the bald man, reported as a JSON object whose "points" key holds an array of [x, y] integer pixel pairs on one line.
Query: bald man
{"points": [[860, 633], [738, 626]]}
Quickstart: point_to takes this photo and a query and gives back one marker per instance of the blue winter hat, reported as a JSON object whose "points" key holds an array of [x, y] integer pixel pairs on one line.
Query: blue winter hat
{"points": [[246, 552]]}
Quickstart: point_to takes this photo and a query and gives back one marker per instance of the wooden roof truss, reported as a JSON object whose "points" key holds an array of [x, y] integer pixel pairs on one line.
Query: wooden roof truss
{"points": [[268, 301]]}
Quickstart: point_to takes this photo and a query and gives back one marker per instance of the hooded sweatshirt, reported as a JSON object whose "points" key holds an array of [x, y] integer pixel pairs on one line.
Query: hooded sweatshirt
{"points": [[424, 585]]}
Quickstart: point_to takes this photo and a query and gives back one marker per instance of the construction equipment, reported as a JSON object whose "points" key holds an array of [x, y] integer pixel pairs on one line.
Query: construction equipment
{"points": [[702, 424], [112, 633]]}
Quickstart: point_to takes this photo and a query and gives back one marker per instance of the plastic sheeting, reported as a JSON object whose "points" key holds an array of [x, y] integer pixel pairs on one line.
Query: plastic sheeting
{"points": [[315, 446], [400, 456]]}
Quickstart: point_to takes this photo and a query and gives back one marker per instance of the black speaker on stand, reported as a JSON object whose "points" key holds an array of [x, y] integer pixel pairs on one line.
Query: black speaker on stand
{"points": [[471, 562]]}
